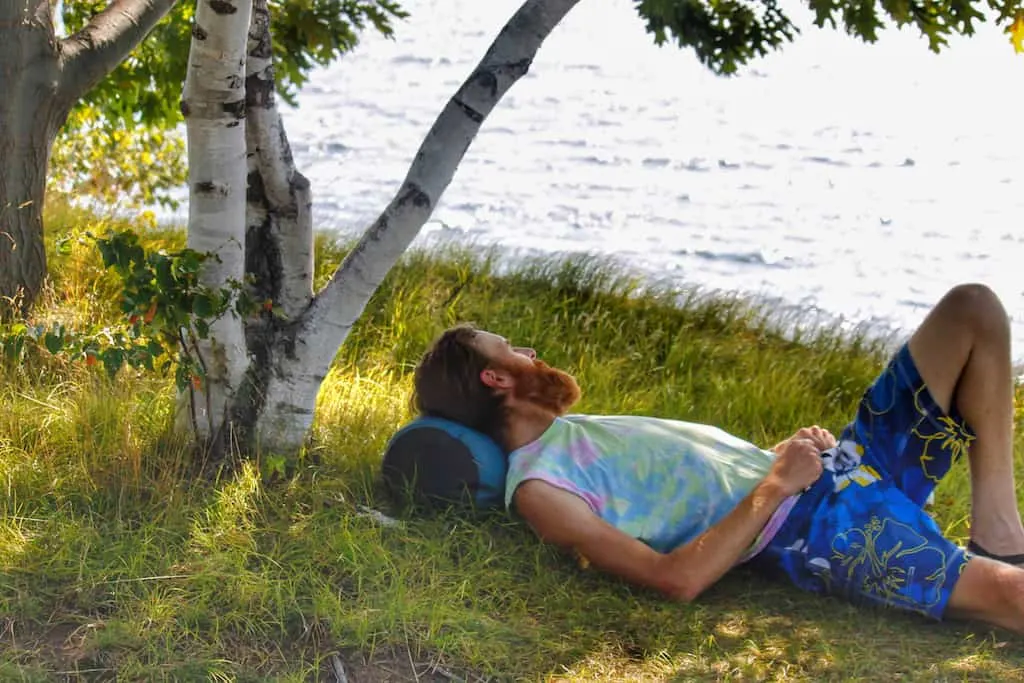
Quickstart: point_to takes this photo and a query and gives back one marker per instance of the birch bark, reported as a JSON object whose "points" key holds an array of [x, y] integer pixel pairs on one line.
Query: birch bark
{"points": [[213, 104], [305, 348]]}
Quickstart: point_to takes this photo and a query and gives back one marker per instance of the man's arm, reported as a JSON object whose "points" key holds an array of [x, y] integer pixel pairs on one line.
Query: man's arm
{"points": [[562, 518]]}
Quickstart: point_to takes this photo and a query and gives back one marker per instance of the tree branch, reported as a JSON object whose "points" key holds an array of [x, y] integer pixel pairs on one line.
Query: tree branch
{"points": [[336, 308], [105, 42]]}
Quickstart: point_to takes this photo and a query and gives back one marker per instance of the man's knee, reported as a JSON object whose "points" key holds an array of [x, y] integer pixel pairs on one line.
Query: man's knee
{"points": [[978, 309], [990, 591], [1008, 586]]}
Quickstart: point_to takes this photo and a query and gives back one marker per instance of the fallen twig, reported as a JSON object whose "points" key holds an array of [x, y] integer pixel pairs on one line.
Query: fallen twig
{"points": [[338, 669]]}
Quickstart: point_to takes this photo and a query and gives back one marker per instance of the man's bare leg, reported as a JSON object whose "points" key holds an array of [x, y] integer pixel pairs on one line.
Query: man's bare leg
{"points": [[962, 350], [989, 591]]}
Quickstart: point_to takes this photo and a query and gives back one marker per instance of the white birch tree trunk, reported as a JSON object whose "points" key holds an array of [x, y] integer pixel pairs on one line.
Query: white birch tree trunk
{"points": [[279, 222], [304, 349], [254, 210], [213, 103], [278, 227]]}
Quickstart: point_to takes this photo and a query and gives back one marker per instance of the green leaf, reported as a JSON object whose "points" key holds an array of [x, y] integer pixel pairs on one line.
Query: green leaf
{"points": [[107, 252], [163, 274], [182, 376], [143, 358], [64, 245], [155, 348], [203, 306], [274, 465], [53, 342], [113, 359], [13, 347]]}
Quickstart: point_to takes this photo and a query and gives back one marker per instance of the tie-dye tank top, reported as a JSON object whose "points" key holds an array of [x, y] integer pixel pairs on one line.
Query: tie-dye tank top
{"points": [[662, 481]]}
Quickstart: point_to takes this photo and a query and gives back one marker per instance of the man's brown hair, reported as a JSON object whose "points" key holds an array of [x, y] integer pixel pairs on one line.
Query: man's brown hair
{"points": [[447, 383]]}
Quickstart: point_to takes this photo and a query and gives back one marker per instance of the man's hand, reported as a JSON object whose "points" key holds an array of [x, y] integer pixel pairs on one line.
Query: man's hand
{"points": [[822, 438], [797, 464]]}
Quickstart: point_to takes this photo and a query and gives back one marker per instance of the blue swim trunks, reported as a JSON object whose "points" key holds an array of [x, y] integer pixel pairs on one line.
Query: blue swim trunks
{"points": [[860, 531]]}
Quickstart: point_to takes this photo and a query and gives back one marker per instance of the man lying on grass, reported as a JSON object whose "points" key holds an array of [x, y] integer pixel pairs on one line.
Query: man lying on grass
{"points": [[674, 505]]}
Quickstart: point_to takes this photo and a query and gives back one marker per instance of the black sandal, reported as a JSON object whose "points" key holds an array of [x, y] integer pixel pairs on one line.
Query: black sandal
{"points": [[1008, 559]]}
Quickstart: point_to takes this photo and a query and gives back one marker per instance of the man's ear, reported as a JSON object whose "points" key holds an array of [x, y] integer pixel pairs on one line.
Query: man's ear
{"points": [[496, 379]]}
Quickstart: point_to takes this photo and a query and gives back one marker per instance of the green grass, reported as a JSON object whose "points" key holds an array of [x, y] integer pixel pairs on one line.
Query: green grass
{"points": [[116, 563]]}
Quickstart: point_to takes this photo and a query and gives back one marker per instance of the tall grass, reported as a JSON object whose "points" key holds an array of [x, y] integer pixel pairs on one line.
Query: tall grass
{"points": [[115, 562]]}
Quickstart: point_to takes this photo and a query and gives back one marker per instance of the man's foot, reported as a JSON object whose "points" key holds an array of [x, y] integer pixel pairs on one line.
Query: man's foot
{"points": [[1018, 559]]}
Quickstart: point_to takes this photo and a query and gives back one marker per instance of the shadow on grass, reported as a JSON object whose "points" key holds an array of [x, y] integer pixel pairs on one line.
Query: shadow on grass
{"points": [[548, 618], [751, 628], [249, 582]]}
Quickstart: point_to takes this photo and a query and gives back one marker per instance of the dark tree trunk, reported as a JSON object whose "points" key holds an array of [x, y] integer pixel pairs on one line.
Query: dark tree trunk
{"points": [[22, 190], [30, 117], [41, 78]]}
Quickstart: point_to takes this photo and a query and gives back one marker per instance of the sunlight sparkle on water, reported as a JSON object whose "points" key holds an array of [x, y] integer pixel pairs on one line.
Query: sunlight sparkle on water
{"points": [[861, 180]]}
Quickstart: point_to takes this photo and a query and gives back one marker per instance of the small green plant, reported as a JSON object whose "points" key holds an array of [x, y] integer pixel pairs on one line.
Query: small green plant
{"points": [[167, 311]]}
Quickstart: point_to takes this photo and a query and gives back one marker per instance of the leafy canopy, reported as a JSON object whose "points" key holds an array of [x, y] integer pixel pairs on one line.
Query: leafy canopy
{"points": [[118, 146], [146, 87], [726, 34]]}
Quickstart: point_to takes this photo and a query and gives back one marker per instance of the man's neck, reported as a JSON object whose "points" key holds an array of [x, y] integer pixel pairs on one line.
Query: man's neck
{"points": [[526, 426]]}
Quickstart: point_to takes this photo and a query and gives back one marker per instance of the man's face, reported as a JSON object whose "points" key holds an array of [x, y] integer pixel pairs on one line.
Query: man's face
{"points": [[516, 371], [501, 353]]}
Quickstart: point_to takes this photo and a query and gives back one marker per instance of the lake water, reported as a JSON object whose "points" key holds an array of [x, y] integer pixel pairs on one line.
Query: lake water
{"points": [[861, 181]]}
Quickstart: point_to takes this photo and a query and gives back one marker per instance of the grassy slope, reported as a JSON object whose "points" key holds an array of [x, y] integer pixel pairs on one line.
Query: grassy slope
{"points": [[113, 560]]}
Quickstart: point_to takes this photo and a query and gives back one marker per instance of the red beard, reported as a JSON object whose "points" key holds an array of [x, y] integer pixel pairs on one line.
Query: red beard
{"points": [[549, 388]]}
